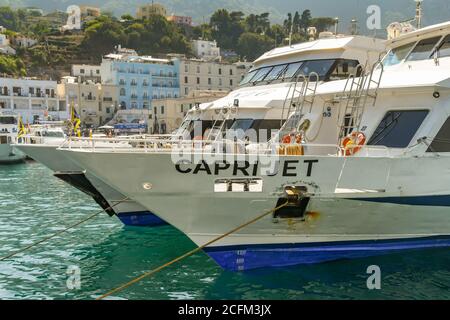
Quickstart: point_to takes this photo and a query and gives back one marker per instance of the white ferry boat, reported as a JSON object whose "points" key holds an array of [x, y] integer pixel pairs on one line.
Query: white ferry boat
{"points": [[259, 104], [9, 127], [375, 179]]}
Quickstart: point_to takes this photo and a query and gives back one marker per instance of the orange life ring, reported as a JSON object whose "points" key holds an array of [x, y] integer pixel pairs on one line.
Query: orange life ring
{"points": [[196, 138], [287, 139], [353, 143]]}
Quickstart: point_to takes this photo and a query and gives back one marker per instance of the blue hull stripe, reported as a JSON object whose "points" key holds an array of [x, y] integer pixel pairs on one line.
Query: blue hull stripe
{"points": [[141, 219], [246, 257], [432, 201]]}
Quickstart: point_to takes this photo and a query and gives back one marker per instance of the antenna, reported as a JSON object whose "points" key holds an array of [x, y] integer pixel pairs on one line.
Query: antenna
{"points": [[290, 34], [336, 25], [354, 27], [419, 13]]}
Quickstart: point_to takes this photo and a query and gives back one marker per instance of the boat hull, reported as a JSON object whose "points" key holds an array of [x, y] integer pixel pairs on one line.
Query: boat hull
{"points": [[129, 212], [10, 155], [247, 257], [334, 226]]}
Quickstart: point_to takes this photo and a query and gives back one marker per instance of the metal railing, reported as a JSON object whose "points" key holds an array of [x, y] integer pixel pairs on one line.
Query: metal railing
{"points": [[174, 143]]}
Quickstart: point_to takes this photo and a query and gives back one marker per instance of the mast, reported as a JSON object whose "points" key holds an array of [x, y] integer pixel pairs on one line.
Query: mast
{"points": [[354, 27], [419, 13], [336, 26]]}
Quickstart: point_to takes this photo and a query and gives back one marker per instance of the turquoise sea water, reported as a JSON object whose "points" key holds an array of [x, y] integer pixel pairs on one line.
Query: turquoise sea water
{"points": [[34, 204]]}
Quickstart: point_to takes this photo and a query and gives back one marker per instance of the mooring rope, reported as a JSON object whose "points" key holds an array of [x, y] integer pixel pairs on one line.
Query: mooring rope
{"points": [[60, 232], [190, 253]]}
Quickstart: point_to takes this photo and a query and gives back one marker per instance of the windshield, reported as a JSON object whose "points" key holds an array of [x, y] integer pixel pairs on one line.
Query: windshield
{"points": [[291, 70], [395, 56], [53, 134], [248, 77], [444, 48], [321, 67], [275, 73], [261, 74], [423, 49], [8, 120]]}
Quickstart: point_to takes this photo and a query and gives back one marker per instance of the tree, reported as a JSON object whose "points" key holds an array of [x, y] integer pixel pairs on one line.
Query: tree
{"points": [[305, 20], [322, 23], [288, 23], [9, 18], [251, 45], [277, 33], [102, 35], [226, 28], [12, 66], [296, 22], [202, 31]]}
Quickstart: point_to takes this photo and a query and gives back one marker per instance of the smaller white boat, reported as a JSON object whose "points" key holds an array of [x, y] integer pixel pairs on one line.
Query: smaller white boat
{"points": [[9, 128]]}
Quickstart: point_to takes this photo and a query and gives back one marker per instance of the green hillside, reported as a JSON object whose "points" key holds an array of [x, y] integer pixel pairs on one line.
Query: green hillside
{"points": [[434, 10]]}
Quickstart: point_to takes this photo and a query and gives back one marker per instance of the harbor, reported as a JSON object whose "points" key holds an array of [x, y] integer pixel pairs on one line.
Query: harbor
{"points": [[109, 254], [320, 170]]}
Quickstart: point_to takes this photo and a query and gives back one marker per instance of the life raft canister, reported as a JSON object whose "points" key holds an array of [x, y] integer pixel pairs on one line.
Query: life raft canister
{"points": [[353, 143]]}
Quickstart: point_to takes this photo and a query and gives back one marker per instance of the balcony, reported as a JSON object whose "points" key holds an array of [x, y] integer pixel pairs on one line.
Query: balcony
{"points": [[134, 96], [133, 83], [164, 75], [122, 83], [88, 98]]}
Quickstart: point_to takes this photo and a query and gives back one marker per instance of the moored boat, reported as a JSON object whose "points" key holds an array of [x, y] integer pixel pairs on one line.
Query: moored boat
{"points": [[370, 175]]}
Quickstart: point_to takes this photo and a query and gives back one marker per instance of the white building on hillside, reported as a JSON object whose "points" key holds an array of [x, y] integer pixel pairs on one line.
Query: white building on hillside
{"points": [[5, 47], [198, 75], [86, 72], [32, 99], [95, 103], [206, 50], [168, 114], [24, 42]]}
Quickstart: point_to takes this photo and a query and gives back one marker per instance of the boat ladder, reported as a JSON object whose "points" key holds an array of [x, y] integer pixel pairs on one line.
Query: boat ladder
{"points": [[356, 94], [301, 94]]}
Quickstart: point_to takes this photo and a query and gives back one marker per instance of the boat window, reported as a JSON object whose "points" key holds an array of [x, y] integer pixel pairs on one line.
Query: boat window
{"points": [[444, 48], [441, 143], [275, 73], [397, 128], [8, 120], [261, 74], [344, 68], [198, 127], [268, 125], [52, 134], [395, 56], [242, 124], [291, 70], [423, 49], [3, 139], [248, 77], [321, 67]]}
